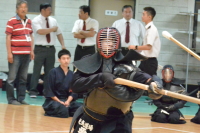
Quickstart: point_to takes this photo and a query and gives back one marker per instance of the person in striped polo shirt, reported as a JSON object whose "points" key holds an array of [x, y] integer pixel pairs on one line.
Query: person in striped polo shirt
{"points": [[19, 42]]}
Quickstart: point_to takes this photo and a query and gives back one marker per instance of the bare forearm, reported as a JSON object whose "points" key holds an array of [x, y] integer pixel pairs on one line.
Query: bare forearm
{"points": [[87, 33], [69, 99], [78, 35], [55, 99], [143, 47], [45, 31], [8, 44], [32, 42], [61, 40]]}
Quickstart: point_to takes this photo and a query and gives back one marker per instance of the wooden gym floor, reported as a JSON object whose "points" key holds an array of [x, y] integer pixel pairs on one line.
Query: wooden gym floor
{"points": [[30, 118]]}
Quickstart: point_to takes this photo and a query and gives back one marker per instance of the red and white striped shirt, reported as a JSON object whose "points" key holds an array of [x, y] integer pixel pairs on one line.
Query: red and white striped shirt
{"points": [[19, 31]]}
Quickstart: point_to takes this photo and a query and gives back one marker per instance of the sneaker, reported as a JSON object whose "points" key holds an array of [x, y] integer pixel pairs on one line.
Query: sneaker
{"points": [[15, 102], [33, 96], [24, 103]]}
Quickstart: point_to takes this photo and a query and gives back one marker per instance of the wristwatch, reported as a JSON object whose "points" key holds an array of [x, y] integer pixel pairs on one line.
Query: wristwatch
{"points": [[136, 47]]}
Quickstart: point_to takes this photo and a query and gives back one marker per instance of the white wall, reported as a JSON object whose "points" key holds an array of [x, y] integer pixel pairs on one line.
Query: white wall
{"points": [[168, 18], [66, 12]]}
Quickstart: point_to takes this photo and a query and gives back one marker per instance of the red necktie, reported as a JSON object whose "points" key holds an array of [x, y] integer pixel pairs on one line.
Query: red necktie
{"points": [[127, 32], [48, 35], [84, 28]]}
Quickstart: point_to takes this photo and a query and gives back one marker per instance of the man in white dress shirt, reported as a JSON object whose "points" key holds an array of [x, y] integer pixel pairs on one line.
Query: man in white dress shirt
{"points": [[85, 30], [132, 31], [151, 43], [46, 30]]}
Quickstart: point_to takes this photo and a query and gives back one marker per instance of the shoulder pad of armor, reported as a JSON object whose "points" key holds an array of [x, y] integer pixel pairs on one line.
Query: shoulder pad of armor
{"points": [[123, 68]]}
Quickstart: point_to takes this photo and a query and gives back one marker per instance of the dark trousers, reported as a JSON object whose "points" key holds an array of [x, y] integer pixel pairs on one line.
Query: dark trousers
{"points": [[196, 119], [83, 51], [56, 109], [149, 66], [173, 117], [44, 56], [18, 68]]}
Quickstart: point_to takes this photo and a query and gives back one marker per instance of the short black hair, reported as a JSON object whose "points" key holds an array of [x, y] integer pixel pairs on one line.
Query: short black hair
{"points": [[44, 6], [85, 9], [63, 52], [151, 11], [127, 6]]}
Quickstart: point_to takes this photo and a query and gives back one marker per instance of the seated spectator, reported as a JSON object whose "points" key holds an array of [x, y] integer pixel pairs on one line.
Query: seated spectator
{"points": [[60, 102], [167, 107]]}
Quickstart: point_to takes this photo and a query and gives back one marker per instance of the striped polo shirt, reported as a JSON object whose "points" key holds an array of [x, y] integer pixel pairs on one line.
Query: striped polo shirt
{"points": [[19, 31]]}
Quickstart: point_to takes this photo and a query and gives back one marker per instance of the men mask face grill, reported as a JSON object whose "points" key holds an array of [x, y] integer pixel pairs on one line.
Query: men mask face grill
{"points": [[108, 40], [167, 74]]}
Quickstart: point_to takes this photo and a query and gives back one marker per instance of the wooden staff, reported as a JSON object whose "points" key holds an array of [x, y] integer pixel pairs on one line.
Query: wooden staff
{"points": [[169, 36], [163, 92]]}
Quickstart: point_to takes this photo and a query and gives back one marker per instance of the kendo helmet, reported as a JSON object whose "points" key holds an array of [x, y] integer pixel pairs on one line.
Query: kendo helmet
{"points": [[168, 73], [108, 42]]}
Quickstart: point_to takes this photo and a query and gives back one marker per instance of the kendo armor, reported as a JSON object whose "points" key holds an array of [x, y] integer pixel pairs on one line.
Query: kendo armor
{"points": [[118, 100], [172, 84]]}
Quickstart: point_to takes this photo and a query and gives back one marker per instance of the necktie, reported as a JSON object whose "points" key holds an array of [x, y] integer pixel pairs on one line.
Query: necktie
{"points": [[84, 28], [48, 35], [127, 32]]}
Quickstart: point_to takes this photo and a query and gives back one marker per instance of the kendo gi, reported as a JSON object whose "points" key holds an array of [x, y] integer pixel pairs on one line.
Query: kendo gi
{"points": [[196, 118], [105, 109], [59, 86], [167, 107]]}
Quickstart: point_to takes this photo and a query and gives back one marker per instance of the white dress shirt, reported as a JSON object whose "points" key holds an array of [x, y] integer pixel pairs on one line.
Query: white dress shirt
{"points": [[90, 23], [137, 31], [152, 38], [39, 22]]}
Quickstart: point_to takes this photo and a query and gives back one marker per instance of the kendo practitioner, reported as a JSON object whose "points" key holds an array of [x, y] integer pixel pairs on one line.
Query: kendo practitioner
{"points": [[167, 107], [107, 106], [60, 102], [196, 119]]}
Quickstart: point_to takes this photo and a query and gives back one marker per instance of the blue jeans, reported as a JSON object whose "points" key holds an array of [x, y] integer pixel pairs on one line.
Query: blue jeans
{"points": [[17, 72]]}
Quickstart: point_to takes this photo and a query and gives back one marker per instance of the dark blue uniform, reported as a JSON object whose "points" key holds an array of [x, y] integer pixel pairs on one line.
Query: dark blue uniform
{"points": [[59, 86]]}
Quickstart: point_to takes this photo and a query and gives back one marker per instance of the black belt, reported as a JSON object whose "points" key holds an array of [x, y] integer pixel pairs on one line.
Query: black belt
{"points": [[125, 48], [45, 46], [84, 47]]}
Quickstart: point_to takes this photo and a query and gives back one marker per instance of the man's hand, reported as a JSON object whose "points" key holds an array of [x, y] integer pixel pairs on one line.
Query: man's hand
{"points": [[63, 47], [155, 87], [55, 28], [62, 102], [153, 91], [32, 55], [67, 103], [10, 58]]}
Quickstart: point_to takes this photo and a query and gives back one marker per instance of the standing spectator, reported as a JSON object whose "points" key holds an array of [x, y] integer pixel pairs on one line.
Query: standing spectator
{"points": [[85, 30], [151, 44], [19, 43], [132, 31], [60, 102], [46, 30]]}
